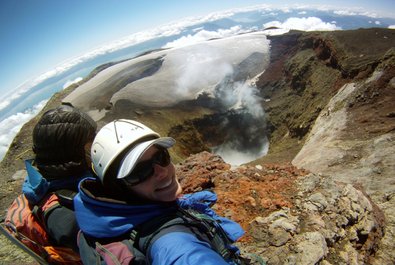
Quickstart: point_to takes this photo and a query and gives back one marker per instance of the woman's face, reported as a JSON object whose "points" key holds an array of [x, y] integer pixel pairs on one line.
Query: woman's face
{"points": [[162, 186]]}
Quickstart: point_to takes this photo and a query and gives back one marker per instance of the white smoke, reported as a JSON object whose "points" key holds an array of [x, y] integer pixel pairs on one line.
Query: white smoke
{"points": [[214, 68], [203, 66], [243, 96], [236, 157]]}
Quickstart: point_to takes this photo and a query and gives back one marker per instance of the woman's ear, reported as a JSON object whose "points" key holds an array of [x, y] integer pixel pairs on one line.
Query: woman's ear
{"points": [[87, 149]]}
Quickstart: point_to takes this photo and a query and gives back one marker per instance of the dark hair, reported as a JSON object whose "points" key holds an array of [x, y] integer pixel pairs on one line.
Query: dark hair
{"points": [[59, 139]]}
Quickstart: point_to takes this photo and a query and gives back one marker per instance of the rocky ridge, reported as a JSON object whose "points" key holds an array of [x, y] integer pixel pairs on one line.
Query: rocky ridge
{"points": [[291, 216], [348, 129]]}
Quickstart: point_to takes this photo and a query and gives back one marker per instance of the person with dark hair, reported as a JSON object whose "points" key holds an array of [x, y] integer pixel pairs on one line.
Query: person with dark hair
{"points": [[61, 143], [134, 212]]}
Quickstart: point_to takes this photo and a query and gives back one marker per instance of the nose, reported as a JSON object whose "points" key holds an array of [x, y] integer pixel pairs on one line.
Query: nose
{"points": [[160, 172]]}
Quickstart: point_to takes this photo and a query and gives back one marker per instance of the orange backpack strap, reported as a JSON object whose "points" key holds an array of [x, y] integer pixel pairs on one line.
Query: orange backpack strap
{"points": [[26, 223], [23, 225]]}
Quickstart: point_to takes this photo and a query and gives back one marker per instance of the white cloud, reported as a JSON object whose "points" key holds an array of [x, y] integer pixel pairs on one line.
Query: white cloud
{"points": [[305, 24], [391, 26], [377, 22], [70, 82], [197, 29], [349, 12], [8, 98], [369, 14], [286, 9], [4, 104], [10, 126], [345, 13], [204, 35], [274, 23]]}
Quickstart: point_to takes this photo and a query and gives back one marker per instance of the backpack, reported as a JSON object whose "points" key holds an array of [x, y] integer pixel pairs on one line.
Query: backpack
{"points": [[24, 225]]}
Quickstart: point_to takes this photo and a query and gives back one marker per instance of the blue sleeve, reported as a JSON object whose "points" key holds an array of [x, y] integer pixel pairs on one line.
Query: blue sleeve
{"points": [[35, 187], [179, 248]]}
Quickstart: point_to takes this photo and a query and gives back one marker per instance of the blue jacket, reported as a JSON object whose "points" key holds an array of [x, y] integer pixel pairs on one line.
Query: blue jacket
{"points": [[36, 187], [109, 219], [60, 222]]}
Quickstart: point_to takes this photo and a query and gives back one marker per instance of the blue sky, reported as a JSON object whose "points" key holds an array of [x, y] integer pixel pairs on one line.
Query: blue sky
{"points": [[36, 36]]}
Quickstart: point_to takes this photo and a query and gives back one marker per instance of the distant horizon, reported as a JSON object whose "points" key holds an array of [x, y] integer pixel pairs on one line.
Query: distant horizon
{"points": [[57, 47], [138, 37]]}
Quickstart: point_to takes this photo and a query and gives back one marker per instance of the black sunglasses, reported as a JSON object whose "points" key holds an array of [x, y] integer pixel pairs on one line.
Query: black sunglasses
{"points": [[145, 169]]}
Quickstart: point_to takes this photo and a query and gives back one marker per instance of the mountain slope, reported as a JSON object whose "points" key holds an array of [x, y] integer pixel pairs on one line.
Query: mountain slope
{"points": [[332, 112], [328, 98]]}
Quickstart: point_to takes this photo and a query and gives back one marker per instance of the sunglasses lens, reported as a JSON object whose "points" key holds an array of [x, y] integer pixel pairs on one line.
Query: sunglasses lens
{"points": [[162, 158], [145, 169], [142, 171]]}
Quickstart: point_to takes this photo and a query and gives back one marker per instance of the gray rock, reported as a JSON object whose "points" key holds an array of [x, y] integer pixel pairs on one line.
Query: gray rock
{"points": [[278, 236], [311, 249], [20, 174]]}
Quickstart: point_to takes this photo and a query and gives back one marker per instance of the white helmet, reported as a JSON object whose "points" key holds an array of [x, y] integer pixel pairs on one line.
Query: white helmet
{"points": [[114, 138]]}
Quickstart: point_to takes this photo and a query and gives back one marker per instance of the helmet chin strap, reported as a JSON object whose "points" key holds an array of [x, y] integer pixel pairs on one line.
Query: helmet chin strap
{"points": [[93, 168]]}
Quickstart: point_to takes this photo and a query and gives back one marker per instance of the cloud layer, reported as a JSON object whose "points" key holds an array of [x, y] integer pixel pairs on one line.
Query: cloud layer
{"points": [[10, 127], [304, 24], [175, 28]]}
